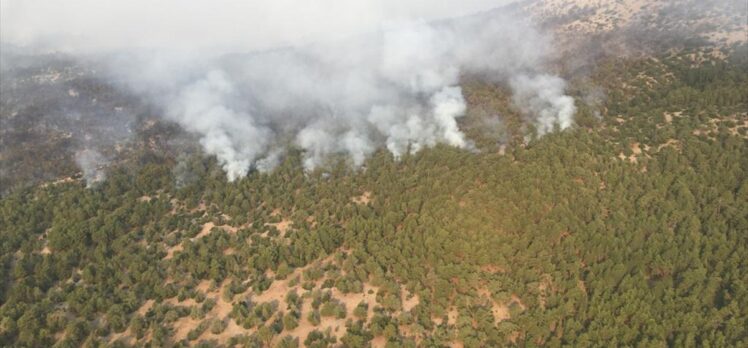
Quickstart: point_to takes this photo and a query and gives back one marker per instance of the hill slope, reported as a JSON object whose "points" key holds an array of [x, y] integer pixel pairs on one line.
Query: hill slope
{"points": [[629, 229]]}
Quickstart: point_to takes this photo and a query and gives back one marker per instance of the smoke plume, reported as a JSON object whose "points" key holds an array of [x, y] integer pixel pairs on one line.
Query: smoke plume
{"points": [[91, 163], [395, 87], [543, 96]]}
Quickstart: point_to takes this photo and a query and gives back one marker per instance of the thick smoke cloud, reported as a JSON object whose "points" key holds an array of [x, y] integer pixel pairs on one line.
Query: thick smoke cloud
{"points": [[91, 26], [543, 96], [396, 87], [232, 136]]}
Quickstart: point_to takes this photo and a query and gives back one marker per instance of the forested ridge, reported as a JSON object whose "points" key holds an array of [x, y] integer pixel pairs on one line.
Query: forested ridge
{"points": [[629, 230]]}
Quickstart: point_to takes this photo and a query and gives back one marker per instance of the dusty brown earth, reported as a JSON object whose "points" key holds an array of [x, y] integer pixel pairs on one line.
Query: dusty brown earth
{"points": [[364, 198]]}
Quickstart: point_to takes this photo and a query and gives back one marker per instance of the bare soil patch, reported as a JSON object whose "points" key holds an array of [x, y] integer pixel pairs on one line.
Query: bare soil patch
{"points": [[364, 198], [146, 307], [409, 300], [282, 226], [170, 252]]}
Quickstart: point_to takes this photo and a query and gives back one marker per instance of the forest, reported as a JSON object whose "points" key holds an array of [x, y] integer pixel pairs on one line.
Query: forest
{"points": [[630, 229]]}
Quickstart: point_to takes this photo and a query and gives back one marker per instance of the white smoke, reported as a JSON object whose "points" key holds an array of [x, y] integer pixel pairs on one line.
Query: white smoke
{"points": [[448, 105], [396, 87], [543, 97], [91, 162], [93, 26], [232, 136]]}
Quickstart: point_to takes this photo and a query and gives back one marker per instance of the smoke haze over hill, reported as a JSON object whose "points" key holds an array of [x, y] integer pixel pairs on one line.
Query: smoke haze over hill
{"points": [[391, 82]]}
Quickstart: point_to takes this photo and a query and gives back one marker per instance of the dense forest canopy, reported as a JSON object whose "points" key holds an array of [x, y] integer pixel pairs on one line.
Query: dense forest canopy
{"points": [[628, 230]]}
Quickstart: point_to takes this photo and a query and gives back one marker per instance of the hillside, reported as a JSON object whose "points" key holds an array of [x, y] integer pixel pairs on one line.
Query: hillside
{"points": [[628, 229], [720, 23]]}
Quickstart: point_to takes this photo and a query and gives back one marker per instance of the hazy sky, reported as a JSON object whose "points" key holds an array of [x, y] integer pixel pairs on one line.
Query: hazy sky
{"points": [[95, 25]]}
